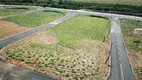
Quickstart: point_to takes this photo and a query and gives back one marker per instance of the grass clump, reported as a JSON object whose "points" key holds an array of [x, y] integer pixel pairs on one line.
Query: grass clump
{"points": [[35, 19], [75, 30], [133, 41], [10, 11]]}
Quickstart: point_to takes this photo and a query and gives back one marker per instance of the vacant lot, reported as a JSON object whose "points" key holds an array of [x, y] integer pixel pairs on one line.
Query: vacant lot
{"points": [[10, 11], [134, 44], [35, 19], [14, 25], [75, 49]]}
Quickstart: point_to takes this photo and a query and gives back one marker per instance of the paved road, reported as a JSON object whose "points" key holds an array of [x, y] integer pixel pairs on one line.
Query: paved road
{"points": [[5, 42], [12, 72], [82, 12], [120, 66], [109, 15]]}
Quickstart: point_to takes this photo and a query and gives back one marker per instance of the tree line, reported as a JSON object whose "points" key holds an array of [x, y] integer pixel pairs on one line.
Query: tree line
{"points": [[69, 4]]}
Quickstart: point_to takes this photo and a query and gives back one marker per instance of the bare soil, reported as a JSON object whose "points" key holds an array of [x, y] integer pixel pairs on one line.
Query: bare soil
{"points": [[44, 38], [8, 29]]}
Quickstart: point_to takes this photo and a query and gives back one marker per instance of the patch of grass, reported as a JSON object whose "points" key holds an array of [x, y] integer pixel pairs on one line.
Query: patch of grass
{"points": [[134, 43], [75, 30], [78, 44], [35, 19], [10, 11], [2, 34]]}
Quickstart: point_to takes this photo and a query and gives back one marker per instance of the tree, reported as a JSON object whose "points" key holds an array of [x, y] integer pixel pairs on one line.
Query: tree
{"points": [[60, 2], [50, 2]]}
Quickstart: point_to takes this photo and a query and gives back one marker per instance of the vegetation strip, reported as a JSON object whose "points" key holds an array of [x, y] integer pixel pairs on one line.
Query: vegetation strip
{"points": [[35, 19], [10, 11], [134, 44]]}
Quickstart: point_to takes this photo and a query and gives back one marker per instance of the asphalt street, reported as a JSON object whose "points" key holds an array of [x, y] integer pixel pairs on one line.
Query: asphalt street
{"points": [[120, 66], [82, 12], [12, 72]]}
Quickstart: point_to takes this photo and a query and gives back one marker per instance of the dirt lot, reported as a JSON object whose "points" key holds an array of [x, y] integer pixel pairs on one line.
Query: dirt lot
{"points": [[8, 29]]}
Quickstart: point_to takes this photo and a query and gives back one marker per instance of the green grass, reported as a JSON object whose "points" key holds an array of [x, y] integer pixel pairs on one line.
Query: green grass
{"points": [[71, 50], [92, 29], [128, 27], [35, 19], [134, 43], [10, 11]]}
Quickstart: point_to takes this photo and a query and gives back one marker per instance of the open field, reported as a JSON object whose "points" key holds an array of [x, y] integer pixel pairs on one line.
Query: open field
{"points": [[134, 44], [14, 25], [35, 19], [10, 11], [75, 49]]}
